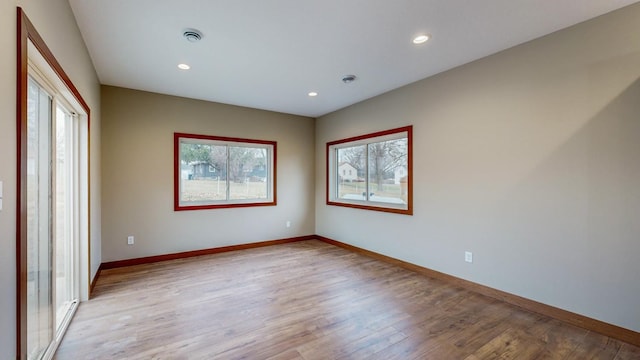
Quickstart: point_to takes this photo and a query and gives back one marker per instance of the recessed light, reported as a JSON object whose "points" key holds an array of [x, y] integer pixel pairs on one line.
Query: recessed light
{"points": [[421, 39], [184, 66], [313, 93]]}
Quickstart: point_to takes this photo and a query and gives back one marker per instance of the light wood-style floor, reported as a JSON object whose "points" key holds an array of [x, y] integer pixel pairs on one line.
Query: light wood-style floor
{"points": [[309, 300]]}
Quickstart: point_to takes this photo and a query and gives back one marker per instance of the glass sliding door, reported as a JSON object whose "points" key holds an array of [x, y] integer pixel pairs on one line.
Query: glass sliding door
{"points": [[39, 259], [65, 223], [52, 234], [52, 219]]}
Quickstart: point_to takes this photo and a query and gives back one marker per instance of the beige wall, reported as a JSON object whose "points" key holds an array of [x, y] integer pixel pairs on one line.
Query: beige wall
{"points": [[529, 159], [137, 160], [55, 22]]}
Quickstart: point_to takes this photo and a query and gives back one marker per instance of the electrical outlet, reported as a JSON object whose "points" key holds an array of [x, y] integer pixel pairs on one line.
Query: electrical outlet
{"points": [[468, 256], [130, 240], [288, 223]]}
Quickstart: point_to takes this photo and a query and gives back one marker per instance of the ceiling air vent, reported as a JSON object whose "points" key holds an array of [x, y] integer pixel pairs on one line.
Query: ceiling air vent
{"points": [[348, 79], [192, 35]]}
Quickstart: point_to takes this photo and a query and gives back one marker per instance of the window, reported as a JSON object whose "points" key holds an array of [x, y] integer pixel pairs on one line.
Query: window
{"points": [[219, 172], [372, 172]]}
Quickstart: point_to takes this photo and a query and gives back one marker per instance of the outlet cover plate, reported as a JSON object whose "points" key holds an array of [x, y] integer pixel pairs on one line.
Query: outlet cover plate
{"points": [[468, 256]]}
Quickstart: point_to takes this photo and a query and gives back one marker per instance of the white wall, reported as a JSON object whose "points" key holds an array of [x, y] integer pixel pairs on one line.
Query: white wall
{"points": [[55, 22], [137, 159], [528, 158]]}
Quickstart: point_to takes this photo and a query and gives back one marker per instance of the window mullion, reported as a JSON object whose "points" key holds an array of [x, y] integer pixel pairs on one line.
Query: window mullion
{"points": [[337, 173], [367, 175], [228, 190]]}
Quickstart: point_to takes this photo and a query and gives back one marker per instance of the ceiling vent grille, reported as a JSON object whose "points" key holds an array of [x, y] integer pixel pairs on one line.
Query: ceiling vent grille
{"points": [[192, 35], [347, 79]]}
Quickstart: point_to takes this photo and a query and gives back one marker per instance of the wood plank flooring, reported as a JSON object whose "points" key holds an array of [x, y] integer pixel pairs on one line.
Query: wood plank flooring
{"points": [[309, 300]]}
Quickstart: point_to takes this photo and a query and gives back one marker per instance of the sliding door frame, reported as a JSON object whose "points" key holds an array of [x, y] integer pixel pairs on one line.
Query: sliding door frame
{"points": [[26, 31]]}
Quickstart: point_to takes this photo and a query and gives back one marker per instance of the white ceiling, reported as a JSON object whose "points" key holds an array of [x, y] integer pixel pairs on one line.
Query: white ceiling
{"points": [[268, 54]]}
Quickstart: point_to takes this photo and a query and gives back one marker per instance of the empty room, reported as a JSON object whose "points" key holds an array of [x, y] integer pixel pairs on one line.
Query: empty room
{"points": [[320, 179]]}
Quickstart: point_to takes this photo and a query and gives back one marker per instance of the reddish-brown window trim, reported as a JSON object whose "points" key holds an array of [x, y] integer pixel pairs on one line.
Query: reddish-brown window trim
{"points": [[176, 172], [409, 209], [26, 31]]}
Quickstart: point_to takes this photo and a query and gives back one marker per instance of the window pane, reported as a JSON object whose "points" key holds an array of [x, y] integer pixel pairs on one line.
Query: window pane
{"points": [[388, 171], [39, 252], [203, 172], [63, 214], [247, 173], [351, 173]]}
